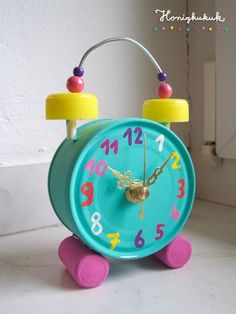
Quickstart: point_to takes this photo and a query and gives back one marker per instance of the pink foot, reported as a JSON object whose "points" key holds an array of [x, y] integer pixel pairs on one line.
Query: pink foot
{"points": [[89, 269], [176, 253]]}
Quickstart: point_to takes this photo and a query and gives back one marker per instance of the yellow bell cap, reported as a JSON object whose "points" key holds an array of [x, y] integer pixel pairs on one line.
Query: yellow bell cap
{"points": [[166, 110], [71, 106]]}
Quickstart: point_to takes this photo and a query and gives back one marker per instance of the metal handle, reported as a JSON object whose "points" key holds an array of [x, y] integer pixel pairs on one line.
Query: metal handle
{"points": [[114, 39]]}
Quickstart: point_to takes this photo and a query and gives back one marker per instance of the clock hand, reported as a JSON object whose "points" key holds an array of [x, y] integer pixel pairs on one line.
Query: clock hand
{"points": [[141, 212], [152, 179], [144, 160], [124, 179]]}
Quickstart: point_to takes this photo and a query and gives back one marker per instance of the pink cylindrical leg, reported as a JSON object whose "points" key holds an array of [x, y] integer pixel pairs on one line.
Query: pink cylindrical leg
{"points": [[89, 269], [176, 253]]}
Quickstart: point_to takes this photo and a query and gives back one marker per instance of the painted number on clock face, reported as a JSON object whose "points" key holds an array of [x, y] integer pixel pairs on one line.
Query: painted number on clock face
{"points": [[114, 239], [100, 168], [160, 139], [96, 226], [181, 188], [175, 213], [159, 231], [88, 190], [108, 146], [129, 134], [176, 164], [139, 241]]}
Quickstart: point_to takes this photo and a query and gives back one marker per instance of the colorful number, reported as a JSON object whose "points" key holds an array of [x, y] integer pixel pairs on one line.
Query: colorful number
{"points": [[90, 165], [181, 188], [128, 133], [114, 146], [139, 132], [161, 140], [88, 190], [107, 145], [100, 168], [176, 164], [139, 241], [159, 231], [115, 239], [96, 226], [101, 164], [175, 213]]}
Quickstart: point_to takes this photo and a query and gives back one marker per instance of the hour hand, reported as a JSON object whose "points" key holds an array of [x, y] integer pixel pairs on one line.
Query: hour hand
{"points": [[124, 180], [152, 179]]}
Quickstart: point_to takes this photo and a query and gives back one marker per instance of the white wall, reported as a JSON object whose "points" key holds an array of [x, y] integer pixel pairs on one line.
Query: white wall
{"points": [[40, 43], [215, 184]]}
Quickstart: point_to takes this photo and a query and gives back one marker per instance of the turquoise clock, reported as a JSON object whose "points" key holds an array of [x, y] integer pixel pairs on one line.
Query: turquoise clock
{"points": [[124, 187]]}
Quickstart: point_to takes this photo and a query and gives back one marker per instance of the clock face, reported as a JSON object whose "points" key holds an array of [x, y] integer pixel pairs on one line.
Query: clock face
{"points": [[131, 189]]}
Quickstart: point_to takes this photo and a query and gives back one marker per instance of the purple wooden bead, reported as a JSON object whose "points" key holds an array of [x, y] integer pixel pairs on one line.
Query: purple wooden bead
{"points": [[78, 71], [162, 76]]}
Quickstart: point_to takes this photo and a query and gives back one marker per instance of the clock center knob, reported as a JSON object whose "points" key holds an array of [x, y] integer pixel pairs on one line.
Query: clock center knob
{"points": [[136, 192]]}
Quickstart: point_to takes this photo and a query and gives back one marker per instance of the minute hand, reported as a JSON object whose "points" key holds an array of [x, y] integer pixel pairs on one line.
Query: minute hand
{"points": [[152, 179]]}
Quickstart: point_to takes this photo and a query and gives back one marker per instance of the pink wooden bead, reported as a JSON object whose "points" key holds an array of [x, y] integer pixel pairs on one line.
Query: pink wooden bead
{"points": [[75, 84], [164, 90]]}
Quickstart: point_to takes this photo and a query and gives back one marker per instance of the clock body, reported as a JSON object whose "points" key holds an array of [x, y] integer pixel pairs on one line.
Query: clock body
{"points": [[91, 201]]}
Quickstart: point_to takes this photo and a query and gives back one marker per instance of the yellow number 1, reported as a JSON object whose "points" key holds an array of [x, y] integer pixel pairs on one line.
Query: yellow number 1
{"points": [[115, 239]]}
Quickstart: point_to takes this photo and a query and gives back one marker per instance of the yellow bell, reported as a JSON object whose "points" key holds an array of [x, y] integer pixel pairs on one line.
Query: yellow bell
{"points": [[166, 110], [71, 107]]}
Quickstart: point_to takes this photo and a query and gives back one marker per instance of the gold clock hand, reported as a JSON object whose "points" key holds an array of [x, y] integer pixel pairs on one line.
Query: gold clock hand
{"points": [[144, 160], [124, 179], [152, 179], [141, 212]]}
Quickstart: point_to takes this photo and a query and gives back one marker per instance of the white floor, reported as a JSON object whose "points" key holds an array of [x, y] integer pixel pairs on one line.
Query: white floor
{"points": [[33, 280]]}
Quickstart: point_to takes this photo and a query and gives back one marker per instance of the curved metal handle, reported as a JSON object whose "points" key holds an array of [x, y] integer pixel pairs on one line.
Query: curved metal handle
{"points": [[114, 39]]}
